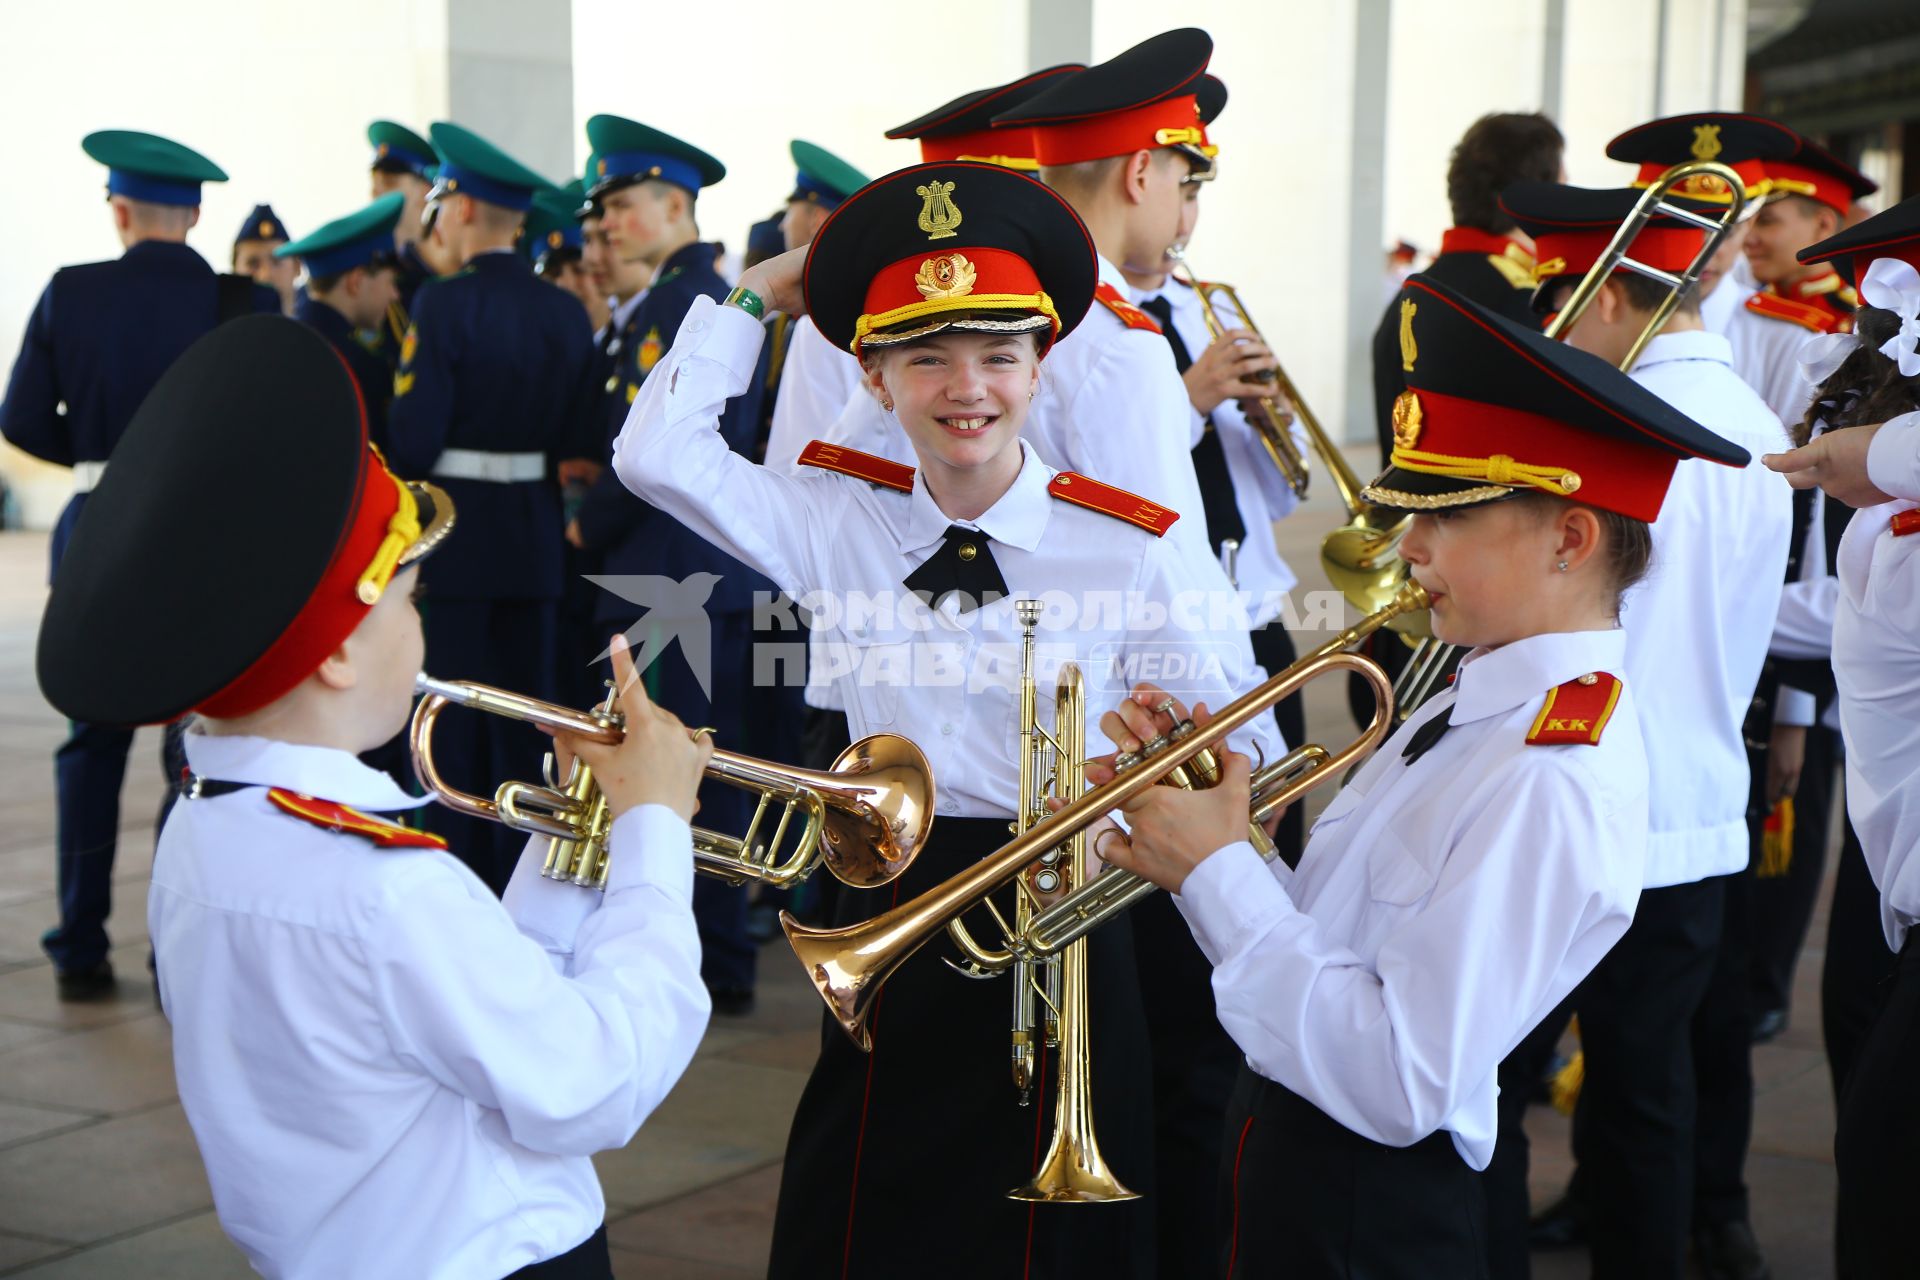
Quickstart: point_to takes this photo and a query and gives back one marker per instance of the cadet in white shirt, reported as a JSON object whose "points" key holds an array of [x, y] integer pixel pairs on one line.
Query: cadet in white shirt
{"points": [[948, 280], [1876, 660], [1697, 632], [1483, 862], [387, 1071]]}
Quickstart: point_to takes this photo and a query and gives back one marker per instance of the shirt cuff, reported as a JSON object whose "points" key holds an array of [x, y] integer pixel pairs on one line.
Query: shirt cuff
{"points": [[651, 845], [725, 335], [1893, 459], [1231, 899], [1794, 707], [548, 911]]}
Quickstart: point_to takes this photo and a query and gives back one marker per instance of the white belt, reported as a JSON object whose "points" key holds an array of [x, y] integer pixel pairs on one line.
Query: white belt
{"points": [[86, 475], [498, 468]]}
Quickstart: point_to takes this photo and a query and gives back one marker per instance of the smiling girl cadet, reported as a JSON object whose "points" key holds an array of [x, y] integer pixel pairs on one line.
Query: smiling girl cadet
{"points": [[1482, 862], [951, 282]]}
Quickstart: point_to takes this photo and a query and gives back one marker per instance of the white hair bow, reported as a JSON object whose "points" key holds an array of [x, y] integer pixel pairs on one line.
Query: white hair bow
{"points": [[1891, 285]]}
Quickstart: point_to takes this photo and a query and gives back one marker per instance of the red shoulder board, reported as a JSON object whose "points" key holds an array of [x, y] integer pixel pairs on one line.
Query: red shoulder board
{"points": [[861, 466], [338, 817], [1905, 522], [1804, 314], [1070, 486], [1130, 315], [1577, 711]]}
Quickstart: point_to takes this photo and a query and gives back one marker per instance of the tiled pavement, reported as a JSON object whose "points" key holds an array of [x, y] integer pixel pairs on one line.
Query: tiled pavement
{"points": [[99, 1177]]}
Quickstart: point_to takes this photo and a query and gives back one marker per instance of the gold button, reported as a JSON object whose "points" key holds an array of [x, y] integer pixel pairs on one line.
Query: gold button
{"points": [[1589, 678], [968, 551]]}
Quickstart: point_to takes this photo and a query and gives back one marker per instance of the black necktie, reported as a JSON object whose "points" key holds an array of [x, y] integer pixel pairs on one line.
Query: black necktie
{"points": [[1209, 458], [1426, 735], [963, 562]]}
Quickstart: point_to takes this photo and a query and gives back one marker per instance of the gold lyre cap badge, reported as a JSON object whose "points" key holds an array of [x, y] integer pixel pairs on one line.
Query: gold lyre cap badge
{"points": [[939, 216], [949, 275], [1408, 351], [1706, 141]]}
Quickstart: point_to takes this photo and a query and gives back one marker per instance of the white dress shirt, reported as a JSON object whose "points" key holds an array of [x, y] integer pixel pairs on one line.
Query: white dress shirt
{"points": [[1766, 355], [1698, 625], [1893, 459], [389, 1072], [1260, 493], [944, 679], [1876, 662], [1441, 909], [817, 380], [1729, 295]]}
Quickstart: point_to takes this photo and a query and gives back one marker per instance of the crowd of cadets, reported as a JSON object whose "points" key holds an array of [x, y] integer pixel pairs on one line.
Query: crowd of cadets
{"points": [[503, 336]]}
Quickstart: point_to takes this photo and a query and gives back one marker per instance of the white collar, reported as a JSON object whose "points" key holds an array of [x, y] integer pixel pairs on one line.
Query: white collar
{"points": [[1017, 518], [326, 773], [1492, 681], [1690, 344]]}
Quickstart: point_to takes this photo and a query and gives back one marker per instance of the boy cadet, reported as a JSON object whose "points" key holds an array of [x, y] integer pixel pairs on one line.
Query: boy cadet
{"points": [[1809, 196], [403, 161], [556, 245], [387, 1072], [350, 284], [98, 339], [493, 396], [646, 184], [1480, 256], [254, 254], [1697, 634]]}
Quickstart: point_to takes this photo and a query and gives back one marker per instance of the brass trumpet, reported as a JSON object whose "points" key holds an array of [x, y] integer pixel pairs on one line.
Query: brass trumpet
{"points": [[849, 965], [1422, 674], [866, 818]]}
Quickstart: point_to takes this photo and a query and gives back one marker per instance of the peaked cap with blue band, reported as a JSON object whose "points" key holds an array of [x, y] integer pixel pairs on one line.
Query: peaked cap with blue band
{"points": [[626, 152], [472, 166], [262, 224], [553, 225], [353, 241], [398, 149], [145, 166], [824, 178]]}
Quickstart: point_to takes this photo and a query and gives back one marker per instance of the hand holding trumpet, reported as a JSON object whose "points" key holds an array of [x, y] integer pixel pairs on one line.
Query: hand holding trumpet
{"points": [[658, 761]]}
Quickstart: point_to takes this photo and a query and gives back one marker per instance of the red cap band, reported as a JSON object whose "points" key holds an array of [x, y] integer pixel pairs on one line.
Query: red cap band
{"points": [[1829, 189], [1169, 122], [1575, 250], [1009, 148], [1611, 473], [1752, 172]]}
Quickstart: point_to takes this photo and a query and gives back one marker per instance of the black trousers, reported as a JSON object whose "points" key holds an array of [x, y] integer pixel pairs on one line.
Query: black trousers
{"points": [[1858, 963], [899, 1161], [1783, 905], [1879, 1135], [1273, 649], [1304, 1197], [1723, 1064], [588, 1260], [1633, 1129], [1505, 1177]]}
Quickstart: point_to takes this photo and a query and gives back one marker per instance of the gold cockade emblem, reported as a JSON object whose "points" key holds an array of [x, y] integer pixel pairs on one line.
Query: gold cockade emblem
{"points": [[1408, 351], [939, 216], [1406, 421], [1706, 141], [948, 276]]}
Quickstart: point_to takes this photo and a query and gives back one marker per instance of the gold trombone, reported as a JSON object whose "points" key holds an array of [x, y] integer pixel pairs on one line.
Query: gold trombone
{"points": [[866, 818], [1360, 557], [849, 965], [1422, 674]]}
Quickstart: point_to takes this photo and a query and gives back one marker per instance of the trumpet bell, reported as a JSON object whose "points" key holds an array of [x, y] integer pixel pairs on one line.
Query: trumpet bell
{"points": [[879, 810]]}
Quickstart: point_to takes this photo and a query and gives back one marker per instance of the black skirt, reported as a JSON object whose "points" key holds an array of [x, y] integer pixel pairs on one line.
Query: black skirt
{"points": [[1305, 1197], [900, 1161]]}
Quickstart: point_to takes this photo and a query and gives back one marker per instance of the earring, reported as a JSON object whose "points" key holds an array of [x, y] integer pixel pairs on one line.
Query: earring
{"points": [[887, 405], [1030, 395], [1563, 566]]}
